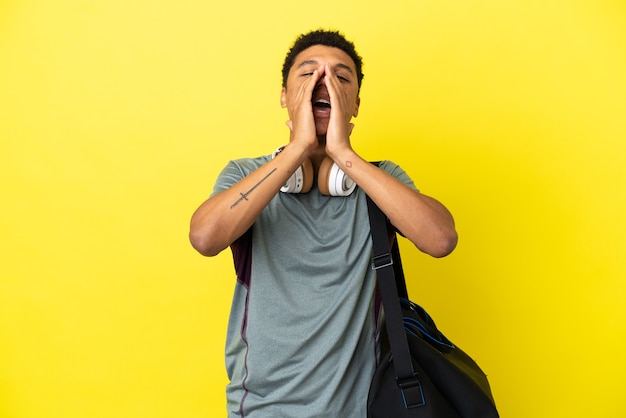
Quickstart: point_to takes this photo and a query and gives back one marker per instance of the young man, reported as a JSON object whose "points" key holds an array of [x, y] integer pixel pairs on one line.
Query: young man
{"points": [[302, 336]]}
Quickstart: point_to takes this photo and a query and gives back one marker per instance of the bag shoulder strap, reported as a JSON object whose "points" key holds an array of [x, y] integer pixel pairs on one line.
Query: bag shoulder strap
{"points": [[395, 249], [383, 264]]}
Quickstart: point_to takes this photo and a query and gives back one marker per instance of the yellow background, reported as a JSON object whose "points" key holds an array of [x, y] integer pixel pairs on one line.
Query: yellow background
{"points": [[116, 116]]}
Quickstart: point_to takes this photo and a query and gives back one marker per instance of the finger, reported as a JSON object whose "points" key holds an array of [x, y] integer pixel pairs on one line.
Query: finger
{"points": [[329, 81], [309, 86], [305, 93], [336, 93], [321, 71]]}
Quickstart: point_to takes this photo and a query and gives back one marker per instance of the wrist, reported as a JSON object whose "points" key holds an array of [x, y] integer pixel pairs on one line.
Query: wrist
{"points": [[347, 161], [297, 150]]}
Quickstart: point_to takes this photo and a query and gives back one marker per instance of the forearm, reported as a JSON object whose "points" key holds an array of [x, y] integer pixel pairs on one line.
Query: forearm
{"points": [[420, 218], [223, 218]]}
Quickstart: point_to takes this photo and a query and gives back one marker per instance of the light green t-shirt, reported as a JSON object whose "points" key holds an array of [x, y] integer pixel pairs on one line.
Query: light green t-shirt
{"points": [[304, 323]]}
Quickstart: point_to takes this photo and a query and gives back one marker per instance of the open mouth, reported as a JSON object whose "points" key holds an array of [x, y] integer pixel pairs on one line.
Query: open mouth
{"points": [[322, 104]]}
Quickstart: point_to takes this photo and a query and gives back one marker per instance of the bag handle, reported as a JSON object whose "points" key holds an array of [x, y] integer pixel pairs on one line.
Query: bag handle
{"points": [[383, 264]]}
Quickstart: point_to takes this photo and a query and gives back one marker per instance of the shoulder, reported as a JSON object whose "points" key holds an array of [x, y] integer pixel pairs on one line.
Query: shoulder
{"points": [[237, 169], [247, 165], [396, 171]]}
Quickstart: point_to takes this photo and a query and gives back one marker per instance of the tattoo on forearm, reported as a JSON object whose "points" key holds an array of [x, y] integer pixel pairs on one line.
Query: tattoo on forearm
{"points": [[349, 164], [244, 196]]}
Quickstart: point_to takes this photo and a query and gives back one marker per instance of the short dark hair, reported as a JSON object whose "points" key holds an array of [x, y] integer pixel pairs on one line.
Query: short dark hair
{"points": [[326, 38]]}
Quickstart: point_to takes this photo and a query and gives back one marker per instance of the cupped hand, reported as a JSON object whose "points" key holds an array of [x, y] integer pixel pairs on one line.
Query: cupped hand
{"points": [[343, 107], [301, 122]]}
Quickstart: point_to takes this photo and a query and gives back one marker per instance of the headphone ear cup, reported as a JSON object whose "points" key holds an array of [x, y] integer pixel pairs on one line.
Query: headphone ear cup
{"points": [[332, 181], [307, 176], [323, 176], [301, 180]]}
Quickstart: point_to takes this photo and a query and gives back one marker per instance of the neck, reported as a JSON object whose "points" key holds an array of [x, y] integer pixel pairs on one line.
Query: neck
{"points": [[318, 155]]}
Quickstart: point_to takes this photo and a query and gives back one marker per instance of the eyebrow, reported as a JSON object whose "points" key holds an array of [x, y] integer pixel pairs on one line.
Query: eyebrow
{"points": [[313, 62]]}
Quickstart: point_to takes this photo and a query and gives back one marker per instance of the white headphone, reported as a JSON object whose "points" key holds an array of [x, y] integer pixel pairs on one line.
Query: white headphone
{"points": [[331, 180]]}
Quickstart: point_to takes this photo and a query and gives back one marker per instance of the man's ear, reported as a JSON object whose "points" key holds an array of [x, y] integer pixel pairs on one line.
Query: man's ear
{"points": [[283, 98], [356, 108]]}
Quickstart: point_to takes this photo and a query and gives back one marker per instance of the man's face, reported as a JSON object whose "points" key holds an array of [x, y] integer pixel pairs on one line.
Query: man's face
{"points": [[341, 66]]}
